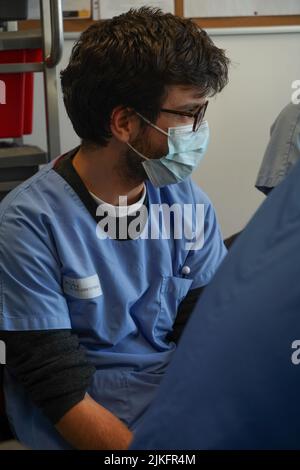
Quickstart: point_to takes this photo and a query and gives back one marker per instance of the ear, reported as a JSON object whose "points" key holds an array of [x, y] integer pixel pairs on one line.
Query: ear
{"points": [[124, 124]]}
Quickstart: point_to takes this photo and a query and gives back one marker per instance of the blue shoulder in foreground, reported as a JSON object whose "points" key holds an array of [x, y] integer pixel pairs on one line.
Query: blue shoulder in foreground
{"points": [[234, 380]]}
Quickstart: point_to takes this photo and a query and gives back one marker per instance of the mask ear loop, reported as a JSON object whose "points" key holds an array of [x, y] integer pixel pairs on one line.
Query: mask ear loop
{"points": [[136, 151], [153, 125]]}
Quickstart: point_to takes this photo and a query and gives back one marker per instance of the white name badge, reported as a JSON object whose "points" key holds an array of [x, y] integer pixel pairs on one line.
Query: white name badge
{"points": [[83, 288]]}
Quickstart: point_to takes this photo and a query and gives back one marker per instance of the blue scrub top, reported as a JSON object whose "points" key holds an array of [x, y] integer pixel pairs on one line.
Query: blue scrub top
{"points": [[119, 296], [234, 379]]}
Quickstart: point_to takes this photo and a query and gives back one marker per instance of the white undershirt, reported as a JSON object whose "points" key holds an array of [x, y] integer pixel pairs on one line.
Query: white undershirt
{"points": [[121, 211]]}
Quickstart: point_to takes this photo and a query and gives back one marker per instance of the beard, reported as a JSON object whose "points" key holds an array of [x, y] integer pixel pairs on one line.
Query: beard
{"points": [[131, 167]]}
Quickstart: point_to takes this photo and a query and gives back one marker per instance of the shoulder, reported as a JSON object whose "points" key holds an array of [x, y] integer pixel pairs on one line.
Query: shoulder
{"points": [[27, 207], [286, 127], [186, 192], [289, 114], [33, 195]]}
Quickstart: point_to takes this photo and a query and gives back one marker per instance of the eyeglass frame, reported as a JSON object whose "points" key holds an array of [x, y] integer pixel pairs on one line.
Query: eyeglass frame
{"points": [[197, 123]]}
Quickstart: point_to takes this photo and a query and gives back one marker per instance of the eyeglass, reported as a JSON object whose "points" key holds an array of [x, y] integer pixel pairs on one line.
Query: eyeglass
{"points": [[197, 115]]}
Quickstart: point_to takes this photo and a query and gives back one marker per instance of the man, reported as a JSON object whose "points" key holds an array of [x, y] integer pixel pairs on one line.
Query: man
{"points": [[88, 302]]}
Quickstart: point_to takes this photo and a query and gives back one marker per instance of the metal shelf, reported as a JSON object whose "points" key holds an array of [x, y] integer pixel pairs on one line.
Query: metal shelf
{"points": [[50, 39], [30, 39], [7, 186], [25, 155], [15, 40], [21, 68], [19, 162]]}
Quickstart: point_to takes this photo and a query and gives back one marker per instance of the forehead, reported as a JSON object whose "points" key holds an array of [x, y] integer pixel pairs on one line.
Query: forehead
{"points": [[180, 95]]}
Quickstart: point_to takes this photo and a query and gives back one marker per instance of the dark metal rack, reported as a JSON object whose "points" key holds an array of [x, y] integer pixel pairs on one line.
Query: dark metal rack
{"points": [[18, 162]]}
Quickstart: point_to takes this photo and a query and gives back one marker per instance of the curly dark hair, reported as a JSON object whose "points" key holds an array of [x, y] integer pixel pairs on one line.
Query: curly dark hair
{"points": [[129, 60]]}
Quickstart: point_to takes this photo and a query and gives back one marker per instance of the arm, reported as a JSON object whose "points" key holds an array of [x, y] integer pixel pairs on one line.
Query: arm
{"points": [[42, 352], [90, 426], [56, 374]]}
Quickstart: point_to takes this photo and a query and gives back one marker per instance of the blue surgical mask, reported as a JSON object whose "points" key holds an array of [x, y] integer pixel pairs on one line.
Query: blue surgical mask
{"points": [[186, 150]]}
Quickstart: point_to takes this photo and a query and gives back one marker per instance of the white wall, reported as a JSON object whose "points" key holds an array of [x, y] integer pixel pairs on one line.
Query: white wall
{"points": [[263, 68]]}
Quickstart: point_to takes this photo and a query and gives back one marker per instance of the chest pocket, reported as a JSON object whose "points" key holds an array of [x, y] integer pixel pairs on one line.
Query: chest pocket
{"points": [[173, 290]]}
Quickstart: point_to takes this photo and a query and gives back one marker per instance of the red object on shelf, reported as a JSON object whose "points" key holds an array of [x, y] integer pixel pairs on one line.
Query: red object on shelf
{"points": [[16, 115]]}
